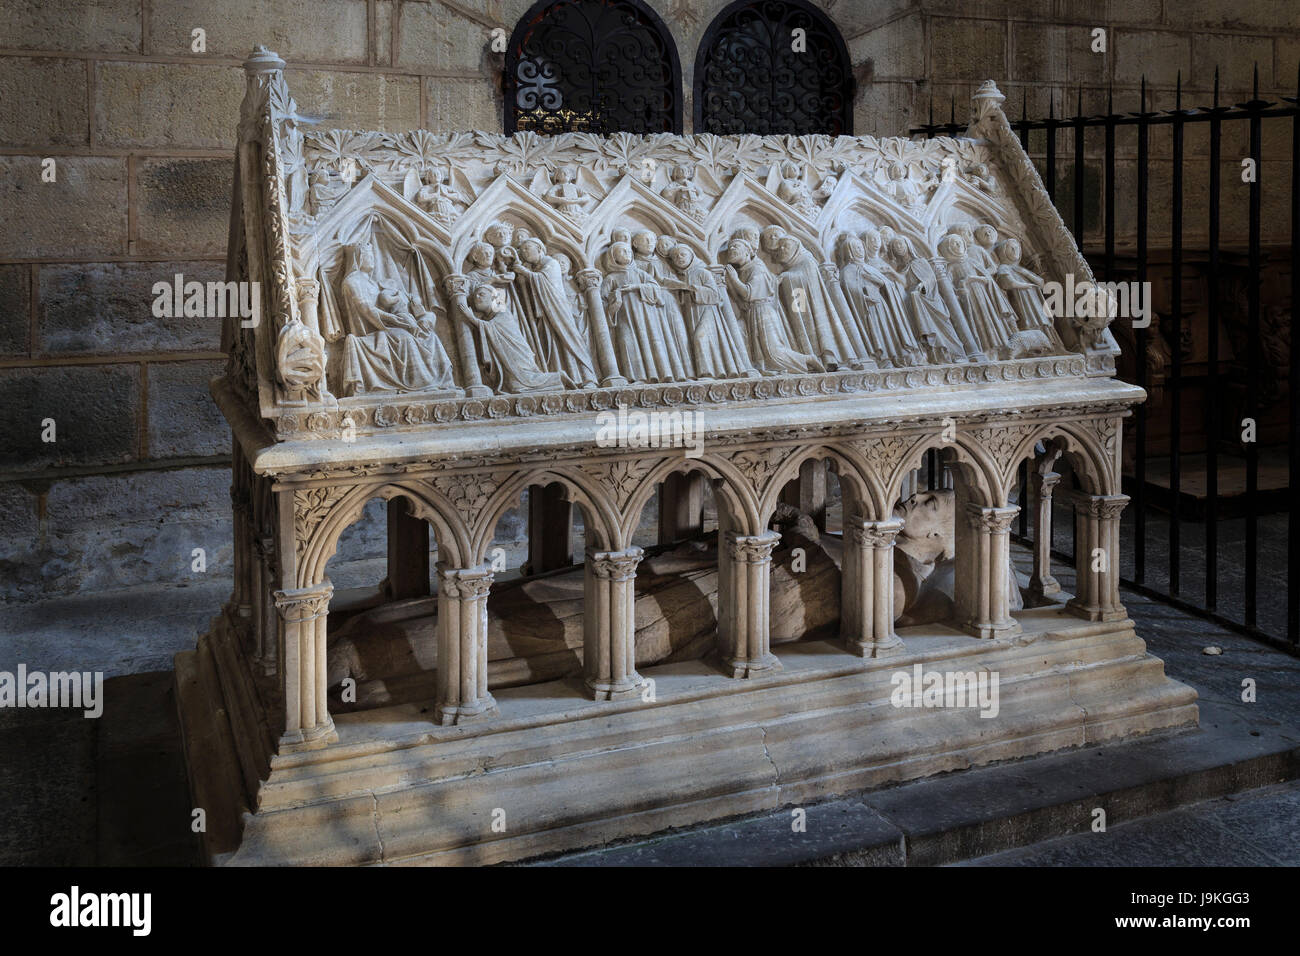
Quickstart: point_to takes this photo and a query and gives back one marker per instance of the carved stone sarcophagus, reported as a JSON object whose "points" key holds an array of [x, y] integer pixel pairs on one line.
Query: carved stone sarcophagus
{"points": [[449, 319]]}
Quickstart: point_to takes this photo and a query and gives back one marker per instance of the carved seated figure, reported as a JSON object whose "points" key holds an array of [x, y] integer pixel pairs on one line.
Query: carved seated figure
{"points": [[439, 198], [391, 344], [566, 196], [684, 194], [793, 190], [901, 188]]}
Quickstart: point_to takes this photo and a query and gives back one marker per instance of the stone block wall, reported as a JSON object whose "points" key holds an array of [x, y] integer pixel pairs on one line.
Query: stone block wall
{"points": [[141, 128]]}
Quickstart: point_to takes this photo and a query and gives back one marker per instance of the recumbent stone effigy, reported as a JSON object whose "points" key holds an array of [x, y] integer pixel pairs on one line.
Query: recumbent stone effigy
{"points": [[446, 319]]}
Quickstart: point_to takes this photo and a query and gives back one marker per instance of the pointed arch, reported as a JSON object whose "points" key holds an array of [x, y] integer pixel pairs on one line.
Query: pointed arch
{"points": [[856, 477], [449, 530], [729, 485], [1082, 447], [599, 514], [973, 464]]}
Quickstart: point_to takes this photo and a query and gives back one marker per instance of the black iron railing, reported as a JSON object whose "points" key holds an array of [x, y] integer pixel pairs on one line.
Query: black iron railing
{"points": [[1232, 600]]}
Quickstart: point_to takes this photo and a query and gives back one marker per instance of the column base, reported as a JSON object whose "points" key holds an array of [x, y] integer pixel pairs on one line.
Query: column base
{"points": [[1095, 613], [743, 668], [449, 715], [992, 631], [613, 381], [624, 689], [1048, 585], [887, 648], [309, 738], [478, 391]]}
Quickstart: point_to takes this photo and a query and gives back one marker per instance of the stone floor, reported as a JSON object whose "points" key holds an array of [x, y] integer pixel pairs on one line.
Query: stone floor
{"points": [[113, 791], [1256, 828]]}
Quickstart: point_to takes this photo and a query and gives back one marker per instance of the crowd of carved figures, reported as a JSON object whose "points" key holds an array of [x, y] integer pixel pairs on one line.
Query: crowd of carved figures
{"points": [[654, 311]]}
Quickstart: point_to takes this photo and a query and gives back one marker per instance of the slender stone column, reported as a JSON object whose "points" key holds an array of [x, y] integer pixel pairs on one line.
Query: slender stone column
{"points": [[609, 624], [309, 302], [607, 365], [983, 570], [462, 693], [1096, 557], [240, 509], [681, 507], [867, 592], [1041, 582], [457, 286], [303, 616], [267, 632], [408, 552], [744, 624]]}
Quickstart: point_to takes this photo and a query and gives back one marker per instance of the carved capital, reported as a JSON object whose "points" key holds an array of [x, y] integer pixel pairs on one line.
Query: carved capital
{"points": [[588, 279], [304, 604], [615, 565], [1044, 482], [875, 534], [751, 548], [308, 292], [1101, 506], [464, 583], [991, 520], [455, 284]]}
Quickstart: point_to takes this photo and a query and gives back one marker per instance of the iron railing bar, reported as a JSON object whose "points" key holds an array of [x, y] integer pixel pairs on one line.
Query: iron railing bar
{"points": [[1176, 350], [1140, 335], [1293, 513], [1078, 174], [1252, 368], [1212, 370], [1049, 164]]}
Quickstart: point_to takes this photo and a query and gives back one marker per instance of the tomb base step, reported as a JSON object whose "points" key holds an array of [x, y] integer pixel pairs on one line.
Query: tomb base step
{"points": [[557, 772]]}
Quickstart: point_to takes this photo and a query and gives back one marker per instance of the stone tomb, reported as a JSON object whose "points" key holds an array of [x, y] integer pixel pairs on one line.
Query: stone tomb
{"points": [[450, 319]]}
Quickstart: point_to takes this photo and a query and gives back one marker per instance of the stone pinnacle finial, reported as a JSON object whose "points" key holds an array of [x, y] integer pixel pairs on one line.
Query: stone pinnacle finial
{"points": [[986, 99], [263, 60]]}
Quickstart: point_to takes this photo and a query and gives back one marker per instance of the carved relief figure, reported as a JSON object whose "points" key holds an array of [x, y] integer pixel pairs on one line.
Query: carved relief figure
{"points": [[500, 237], [987, 313], [820, 329], [872, 292], [439, 198], [929, 313], [900, 187], [794, 191], [827, 185], [1024, 290], [577, 304], [717, 345], [752, 283], [391, 344], [634, 306], [507, 358], [540, 285], [684, 194], [567, 196], [323, 193], [648, 258]]}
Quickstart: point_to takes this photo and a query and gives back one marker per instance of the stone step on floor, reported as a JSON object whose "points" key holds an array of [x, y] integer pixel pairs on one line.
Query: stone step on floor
{"points": [[974, 813]]}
